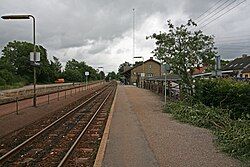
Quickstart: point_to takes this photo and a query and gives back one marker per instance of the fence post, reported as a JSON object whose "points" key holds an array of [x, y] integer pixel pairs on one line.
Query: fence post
{"points": [[58, 93], [48, 98], [17, 105], [65, 94]]}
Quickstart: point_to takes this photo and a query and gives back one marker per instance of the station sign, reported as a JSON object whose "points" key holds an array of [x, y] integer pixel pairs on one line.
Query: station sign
{"points": [[35, 58]]}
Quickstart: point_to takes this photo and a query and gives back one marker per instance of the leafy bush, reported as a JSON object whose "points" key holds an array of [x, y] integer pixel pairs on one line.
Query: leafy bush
{"points": [[233, 136], [2, 81], [225, 93], [198, 114], [235, 139], [7, 76]]}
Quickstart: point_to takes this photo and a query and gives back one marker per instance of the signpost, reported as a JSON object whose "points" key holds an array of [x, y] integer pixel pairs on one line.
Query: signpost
{"points": [[35, 61], [166, 69], [86, 74], [217, 70]]}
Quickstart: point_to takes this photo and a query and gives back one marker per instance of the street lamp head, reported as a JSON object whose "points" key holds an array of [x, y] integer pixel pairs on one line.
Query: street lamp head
{"points": [[8, 17]]}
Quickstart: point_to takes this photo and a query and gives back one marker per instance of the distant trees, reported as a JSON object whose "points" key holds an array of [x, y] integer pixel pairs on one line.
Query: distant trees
{"points": [[15, 60], [184, 50], [102, 75], [15, 66], [123, 67], [74, 71], [112, 76]]}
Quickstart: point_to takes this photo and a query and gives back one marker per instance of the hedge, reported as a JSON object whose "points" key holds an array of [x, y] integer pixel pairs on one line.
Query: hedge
{"points": [[226, 94]]}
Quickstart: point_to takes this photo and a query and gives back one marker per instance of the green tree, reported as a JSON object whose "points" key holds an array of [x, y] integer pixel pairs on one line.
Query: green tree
{"points": [[111, 76], [55, 66], [184, 50], [123, 67], [74, 71], [73, 75], [15, 59], [6, 77], [102, 75]]}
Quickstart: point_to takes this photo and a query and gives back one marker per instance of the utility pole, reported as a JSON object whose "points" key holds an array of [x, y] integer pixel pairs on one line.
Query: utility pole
{"points": [[133, 32]]}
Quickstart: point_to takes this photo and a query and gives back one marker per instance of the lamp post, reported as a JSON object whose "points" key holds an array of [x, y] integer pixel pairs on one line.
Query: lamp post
{"points": [[137, 57], [20, 17]]}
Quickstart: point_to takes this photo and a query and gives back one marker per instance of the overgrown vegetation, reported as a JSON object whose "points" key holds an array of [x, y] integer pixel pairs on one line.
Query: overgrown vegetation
{"points": [[227, 94], [233, 136]]}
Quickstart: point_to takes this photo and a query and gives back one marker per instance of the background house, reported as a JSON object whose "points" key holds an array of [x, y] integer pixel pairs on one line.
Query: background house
{"points": [[246, 72], [239, 66]]}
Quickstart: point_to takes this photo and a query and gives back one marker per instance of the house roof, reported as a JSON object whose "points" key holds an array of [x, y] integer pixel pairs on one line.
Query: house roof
{"points": [[238, 63], [139, 64], [246, 70]]}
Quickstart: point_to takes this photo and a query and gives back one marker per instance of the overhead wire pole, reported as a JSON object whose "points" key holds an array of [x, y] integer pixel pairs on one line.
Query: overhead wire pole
{"points": [[133, 32]]}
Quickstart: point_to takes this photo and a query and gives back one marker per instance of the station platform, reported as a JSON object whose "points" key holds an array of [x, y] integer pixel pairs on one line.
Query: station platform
{"points": [[141, 135]]}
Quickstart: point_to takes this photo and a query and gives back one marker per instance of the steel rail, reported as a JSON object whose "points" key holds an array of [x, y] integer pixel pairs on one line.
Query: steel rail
{"points": [[47, 127], [83, 131]]}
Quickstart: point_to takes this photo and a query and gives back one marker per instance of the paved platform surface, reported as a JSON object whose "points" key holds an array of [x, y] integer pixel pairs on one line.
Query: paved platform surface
{"points": [[141, 135]]}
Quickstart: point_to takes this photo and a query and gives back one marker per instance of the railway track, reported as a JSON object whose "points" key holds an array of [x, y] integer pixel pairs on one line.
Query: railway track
{"points": [[77, 132]]}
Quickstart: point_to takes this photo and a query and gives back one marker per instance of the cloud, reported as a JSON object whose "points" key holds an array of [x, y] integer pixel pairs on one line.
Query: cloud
{"points": [[100, 32]]}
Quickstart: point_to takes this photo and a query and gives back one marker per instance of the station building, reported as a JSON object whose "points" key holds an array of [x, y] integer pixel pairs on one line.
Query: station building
{"points": [[135, 75]]}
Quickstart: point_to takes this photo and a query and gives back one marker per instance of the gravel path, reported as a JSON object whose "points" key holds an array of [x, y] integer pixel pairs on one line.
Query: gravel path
{"points": [[142, 135]]}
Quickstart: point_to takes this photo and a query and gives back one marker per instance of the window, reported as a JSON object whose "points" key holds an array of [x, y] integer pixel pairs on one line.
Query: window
{"points": [[246, 76], [150, 66], [149, 74]]}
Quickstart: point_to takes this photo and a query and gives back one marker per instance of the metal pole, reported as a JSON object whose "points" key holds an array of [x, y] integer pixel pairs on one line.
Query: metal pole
{"points": [[165, 92], [133, 32], [58, 93], [86, 81], [143, 72], [17, 105], [34, 67]]}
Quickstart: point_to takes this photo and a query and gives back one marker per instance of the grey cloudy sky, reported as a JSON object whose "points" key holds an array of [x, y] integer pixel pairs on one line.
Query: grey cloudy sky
{"points": [[99, 32]]}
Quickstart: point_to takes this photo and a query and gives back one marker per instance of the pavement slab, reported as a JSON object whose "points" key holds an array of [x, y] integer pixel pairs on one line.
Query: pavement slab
{"points": [[142, 135]]}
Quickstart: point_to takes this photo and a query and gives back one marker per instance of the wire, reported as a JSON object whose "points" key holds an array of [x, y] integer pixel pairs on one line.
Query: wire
{"points": [[207, 10], [214, 10], [226, 37], [231, 42], [223, 14], [218, 12]]}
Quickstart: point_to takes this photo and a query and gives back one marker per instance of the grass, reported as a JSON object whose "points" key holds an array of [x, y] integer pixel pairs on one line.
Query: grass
{"points": [[13, 86], [232, 136]]}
